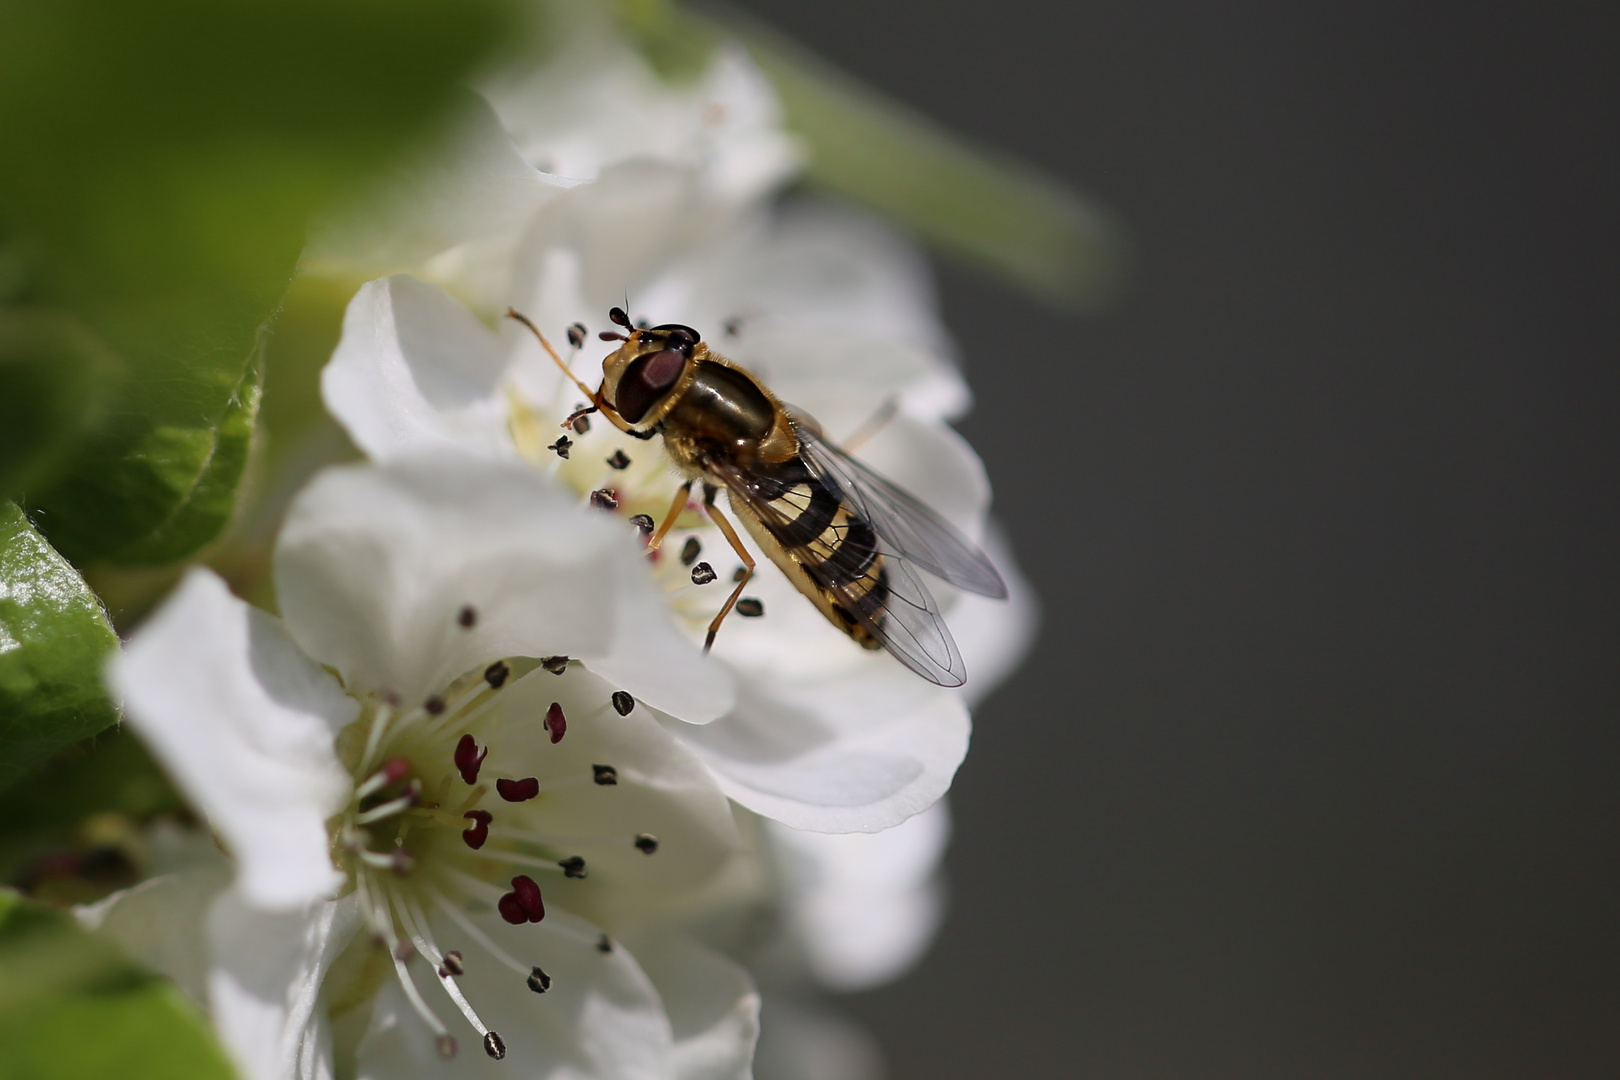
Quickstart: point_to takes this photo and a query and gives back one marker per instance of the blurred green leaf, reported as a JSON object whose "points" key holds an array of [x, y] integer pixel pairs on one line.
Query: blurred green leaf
{"points": [[162, 161], [53, 640], [55, 380], [72, 1008], [985, 207]]}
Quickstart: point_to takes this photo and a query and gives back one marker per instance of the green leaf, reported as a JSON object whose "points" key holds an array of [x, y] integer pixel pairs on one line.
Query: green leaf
{"points": [[73, 1008], [163, 159], [55, 381], [54, 638], [968, 201]]}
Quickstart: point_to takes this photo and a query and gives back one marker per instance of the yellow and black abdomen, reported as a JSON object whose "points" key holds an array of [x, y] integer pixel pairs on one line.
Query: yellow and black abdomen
{"points": [[824, 545]]}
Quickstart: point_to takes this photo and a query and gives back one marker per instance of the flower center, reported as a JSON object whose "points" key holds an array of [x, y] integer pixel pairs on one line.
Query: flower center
{"points": [[433, 828]]}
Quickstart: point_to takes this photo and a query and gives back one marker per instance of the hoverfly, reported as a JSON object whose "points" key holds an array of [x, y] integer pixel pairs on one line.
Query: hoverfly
{"points": [[848, 539]]}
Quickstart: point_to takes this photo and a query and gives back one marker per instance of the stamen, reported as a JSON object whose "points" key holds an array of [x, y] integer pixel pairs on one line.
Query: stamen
{"points": [[379, 724], [446, 1045], [445, 1042], [582, 422], [539, 981], [604, 499], [646, 843], [703, 573], [573, 867], [478, 832], [690, 551], [412, 796], [467, 617], [523, 904], [398, 861], [450, 908], [415, 921], [750, 607], [556, 722], [644, 524], [518, 790], [606, 775], [620, 461], [493, 1046], [434, 706], [623, 702], [562, 446], [392, 772], [554, 664], [497, 674], [452, 965], [604, 944], [469, 758], [576, 335]]}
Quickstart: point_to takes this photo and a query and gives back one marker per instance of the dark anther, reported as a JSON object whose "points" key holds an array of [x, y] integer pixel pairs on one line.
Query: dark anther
{"points": [[581, 423], [703, 573], [493, 1046], [478, 831], [606, 775], [643, 523], [604, 499], [434, 705], [562, 446], [452, 965], [619, 460], [604, 944], [469, 758], [740, 573], [619, 317], [403, 951], [517, 790], [623, 702], [401, 862], [467, 617], [573, 867], [446, 1045], [690, 551], [556, 722], [528, 894], [554, 664], [576, 334], [732, 326], [750, 607], [497, 674], [511, 909], [539, 981], [646, 843]]}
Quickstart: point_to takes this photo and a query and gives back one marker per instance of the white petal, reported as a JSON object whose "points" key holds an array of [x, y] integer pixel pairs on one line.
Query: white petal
{"points": [[414, 370], [470, 185], [864, 906], [244, 723], [995, 635], [376, 565], [159, 923], [601, 1019], [802, 1041], [264, 990], [662, 790], [712, 1005], [856, 754]]}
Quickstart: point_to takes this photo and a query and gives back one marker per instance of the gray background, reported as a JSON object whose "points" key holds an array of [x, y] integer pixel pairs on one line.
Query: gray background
{"points": [[1313, 773]]}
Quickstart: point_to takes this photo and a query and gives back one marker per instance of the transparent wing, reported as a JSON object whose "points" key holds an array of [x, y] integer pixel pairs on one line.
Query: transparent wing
{"points": [[907, 527], [884, 594]]}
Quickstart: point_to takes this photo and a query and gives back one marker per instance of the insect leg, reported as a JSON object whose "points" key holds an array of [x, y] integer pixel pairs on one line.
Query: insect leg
{"points": [[719, 519], [872, 425], [676, 505]]}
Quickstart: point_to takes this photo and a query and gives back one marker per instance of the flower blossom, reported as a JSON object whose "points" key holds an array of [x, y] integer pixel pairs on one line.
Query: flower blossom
{"points": [[452, 810]]}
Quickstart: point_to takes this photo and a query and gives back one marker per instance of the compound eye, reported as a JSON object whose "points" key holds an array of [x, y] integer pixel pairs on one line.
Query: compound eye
{"points": [[679, 337], [647, 379]]}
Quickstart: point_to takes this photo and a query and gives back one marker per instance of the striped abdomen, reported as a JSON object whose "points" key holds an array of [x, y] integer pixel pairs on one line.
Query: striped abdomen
{"points": [[836, 548]]}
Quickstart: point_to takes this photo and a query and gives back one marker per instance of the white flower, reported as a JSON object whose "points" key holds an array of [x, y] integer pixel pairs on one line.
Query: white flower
{"points": [[416, 786]]}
